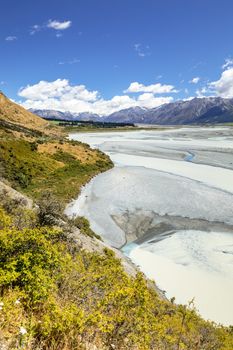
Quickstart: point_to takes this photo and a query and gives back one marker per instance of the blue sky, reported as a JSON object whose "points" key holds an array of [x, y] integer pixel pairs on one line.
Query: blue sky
{"points": [[87, 53]]}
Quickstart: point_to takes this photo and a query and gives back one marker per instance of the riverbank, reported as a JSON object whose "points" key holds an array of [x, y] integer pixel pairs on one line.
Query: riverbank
{"points": [[70, 266], [60, 286], [146, 199], [44, 164]]}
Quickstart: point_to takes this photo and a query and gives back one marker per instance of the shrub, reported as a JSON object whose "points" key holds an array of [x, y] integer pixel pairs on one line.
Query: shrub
{"points": [[84, 226], [50, 209], [52, 299]]}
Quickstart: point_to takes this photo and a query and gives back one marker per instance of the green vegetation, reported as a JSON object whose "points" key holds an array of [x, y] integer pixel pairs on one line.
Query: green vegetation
{"points": [[54, 295], [84, 128], [60, 173], [84, 226], [92, 128]]}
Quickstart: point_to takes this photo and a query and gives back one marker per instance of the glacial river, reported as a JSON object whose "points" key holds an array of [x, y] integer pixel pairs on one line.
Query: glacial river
{"points": [[168, 204]]}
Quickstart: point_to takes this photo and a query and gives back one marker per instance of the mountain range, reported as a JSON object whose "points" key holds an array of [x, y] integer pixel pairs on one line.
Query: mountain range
{"points": [[206, 110], [53, 114]]}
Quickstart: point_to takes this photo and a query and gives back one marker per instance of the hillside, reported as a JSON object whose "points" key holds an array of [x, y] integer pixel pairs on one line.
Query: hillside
{"points": [[61, 288], [36, 157], [19, 119]]}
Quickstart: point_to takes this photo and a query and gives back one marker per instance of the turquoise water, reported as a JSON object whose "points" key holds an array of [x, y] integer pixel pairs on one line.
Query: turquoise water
{"points": [[128, 248], [189, 157]]}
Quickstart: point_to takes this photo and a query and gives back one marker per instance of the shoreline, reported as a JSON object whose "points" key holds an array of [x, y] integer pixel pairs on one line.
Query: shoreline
{"points": [[165, 221]]}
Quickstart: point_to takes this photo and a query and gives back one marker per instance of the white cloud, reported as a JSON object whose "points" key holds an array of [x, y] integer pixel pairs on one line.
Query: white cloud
{"points": [[73, 61], [224, 86], [61, 95], [188, 98], [142, 51], [59, 35], [11, 38], [57, 25], [202, 92], [35, 28], [148, 100], [195, 80], [51, 24], [154, 88], [228, 63], [58, 89]]}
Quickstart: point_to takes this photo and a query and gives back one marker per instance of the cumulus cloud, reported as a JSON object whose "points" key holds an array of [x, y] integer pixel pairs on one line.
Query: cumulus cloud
{"points": [[58, 89], [54, 24], [195, 80], [148, 100], [154, 88], [11, 38], [224, 86], [61, 95]]}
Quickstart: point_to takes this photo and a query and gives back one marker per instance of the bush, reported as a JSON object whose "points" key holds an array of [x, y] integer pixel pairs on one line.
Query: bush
{"points": [[84, 226], [34, 146], [50, 209], [62, 300]]}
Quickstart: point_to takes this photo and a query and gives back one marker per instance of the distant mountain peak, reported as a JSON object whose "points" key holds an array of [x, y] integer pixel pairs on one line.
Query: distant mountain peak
{"points": [[197, 110], [53, 114]]}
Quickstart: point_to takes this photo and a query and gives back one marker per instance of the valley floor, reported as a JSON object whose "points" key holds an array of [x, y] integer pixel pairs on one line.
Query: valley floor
{"points": [[60, 286], [175, 186]]}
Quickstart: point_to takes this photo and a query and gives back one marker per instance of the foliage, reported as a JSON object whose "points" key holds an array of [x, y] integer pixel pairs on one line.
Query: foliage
{"points": [[56, 296], [22, 164], [84, 226], [61, 174], [21, 217], [50, 210]]}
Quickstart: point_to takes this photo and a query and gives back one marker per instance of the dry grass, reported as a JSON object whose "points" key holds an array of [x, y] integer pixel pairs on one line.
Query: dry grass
{"points": [[84, 155], [13, 113]]}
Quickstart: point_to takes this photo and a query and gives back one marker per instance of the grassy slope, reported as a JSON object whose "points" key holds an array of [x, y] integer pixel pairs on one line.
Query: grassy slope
{"points": [[62, 295], [59, 167], [65, 297], [14, 114]]}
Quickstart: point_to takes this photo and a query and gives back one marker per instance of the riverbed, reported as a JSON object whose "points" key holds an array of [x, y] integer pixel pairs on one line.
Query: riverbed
{"points": [[168, 204]]}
